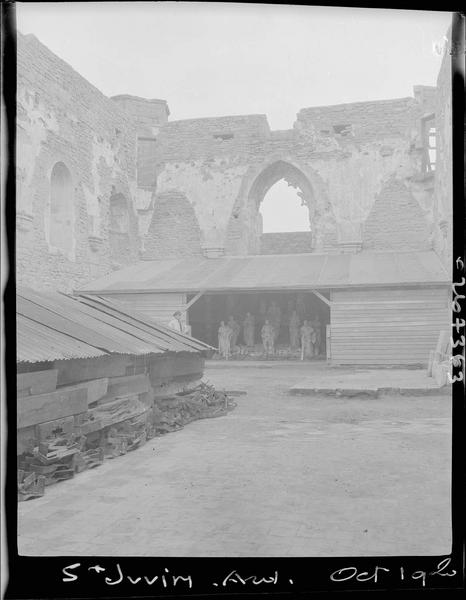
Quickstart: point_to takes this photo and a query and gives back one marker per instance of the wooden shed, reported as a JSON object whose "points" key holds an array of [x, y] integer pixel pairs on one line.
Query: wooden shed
{"points": [[85, 366], [377, 307], [389, 326]]}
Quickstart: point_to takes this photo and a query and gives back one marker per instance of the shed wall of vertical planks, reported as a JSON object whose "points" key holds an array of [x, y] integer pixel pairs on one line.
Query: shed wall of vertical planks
{"points": [[392, 326]]}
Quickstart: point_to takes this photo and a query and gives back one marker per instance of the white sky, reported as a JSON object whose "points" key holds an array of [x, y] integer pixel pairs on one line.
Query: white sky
{"points": [[281, 209], [209, 59]]}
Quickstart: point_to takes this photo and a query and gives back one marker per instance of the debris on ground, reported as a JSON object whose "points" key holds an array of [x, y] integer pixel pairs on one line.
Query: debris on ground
{"points": [[257, 353], [30, 485], [171, 413], [118, 422]]}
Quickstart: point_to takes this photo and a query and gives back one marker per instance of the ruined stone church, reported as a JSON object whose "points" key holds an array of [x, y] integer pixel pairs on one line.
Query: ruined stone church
{"points": [[115, 199]]}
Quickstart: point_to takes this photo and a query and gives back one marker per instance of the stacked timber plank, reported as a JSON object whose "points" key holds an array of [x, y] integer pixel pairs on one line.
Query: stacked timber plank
{"points": [[50, 447], [119, 420], [171, 413], [66, 429], [89, 372], [439, 366]]}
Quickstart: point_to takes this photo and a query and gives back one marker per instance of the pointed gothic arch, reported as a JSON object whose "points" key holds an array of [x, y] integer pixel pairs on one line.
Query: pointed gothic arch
{"points": [[245, 226], [273, 173]]}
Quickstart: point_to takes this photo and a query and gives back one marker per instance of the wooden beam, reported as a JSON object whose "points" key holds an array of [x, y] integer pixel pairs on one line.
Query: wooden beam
{"points": [[193, 300], [95, 388], [70, 371], [33, 410], [321, 297], [122, 386], [36, 382]]}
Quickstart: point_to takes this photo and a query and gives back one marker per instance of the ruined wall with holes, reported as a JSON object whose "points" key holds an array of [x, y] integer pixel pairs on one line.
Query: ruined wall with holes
{"points": [[148, 117], [443, 183], [339, 157], [61, 118], [195, 186]]}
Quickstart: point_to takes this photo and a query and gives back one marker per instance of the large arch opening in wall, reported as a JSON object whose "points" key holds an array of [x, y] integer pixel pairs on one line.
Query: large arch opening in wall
{"points": [[61, 224], [281, 196]]}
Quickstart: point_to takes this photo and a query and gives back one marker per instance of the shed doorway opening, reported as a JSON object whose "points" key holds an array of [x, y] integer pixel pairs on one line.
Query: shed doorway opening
{"points": [[276, 307]]}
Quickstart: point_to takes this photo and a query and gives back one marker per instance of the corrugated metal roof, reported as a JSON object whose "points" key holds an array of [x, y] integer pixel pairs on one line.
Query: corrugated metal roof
{"points": [[37, 342], [53, 326], [142, 326], [267, 272]]}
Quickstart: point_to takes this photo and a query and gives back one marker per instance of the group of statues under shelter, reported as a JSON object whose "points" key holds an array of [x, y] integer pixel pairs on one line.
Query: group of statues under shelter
{"points": [[304, 336]]}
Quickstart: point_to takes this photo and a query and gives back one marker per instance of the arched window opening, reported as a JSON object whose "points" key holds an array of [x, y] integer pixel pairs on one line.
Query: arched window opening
{"points": [[61, 232], [119, 217], [283, 210], [278, 214]]}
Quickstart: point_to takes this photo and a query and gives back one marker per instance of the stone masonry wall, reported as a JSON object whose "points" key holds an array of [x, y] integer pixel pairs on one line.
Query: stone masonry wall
{"points": [[344, 155], [63, 118], [396, 221], [293, 242], [174, 230], [148, 115], [443, 182], [195, 186]]}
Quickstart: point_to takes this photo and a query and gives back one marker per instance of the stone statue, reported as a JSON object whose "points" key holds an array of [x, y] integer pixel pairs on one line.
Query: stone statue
{"points": [[235, 331], [224, 340], [248, 330], [274, 316], [294, 331], [308, 338], [268, 337]]}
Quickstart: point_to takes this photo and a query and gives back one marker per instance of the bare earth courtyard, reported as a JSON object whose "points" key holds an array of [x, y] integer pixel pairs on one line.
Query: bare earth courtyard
{"points": [[281, 475]]}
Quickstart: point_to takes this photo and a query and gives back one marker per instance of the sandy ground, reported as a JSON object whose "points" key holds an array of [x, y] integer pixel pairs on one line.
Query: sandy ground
{"points": [[281, 475]]}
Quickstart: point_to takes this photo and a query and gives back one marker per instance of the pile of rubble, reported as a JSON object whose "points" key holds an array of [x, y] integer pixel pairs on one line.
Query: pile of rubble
{"points": [[257, 353], [112, 426], [171, 413]]}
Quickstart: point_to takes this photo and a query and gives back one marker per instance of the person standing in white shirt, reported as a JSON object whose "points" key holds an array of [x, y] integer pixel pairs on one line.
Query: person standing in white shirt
{"points": [[175, 322]]}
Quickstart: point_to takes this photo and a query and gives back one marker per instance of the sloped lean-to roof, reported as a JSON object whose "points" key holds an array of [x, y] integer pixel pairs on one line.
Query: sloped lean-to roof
{"points": [[53, 326], [272, 272]]}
